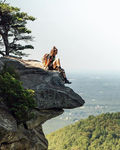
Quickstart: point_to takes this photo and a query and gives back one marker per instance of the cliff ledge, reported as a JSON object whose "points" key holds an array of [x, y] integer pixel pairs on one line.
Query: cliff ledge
{"points": [[51, 95]]}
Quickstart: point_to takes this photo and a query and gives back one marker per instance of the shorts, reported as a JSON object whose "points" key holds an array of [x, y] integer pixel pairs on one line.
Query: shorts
{"points": [[50, 67]]}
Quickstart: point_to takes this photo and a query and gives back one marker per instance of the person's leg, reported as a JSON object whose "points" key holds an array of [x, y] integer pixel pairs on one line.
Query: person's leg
{"points": [[64, 76], [56, 63], [57, 66], [62, 72]]}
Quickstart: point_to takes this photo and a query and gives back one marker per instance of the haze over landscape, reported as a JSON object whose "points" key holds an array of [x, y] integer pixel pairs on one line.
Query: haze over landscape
{"points": [[47, 111], [86, 33]]}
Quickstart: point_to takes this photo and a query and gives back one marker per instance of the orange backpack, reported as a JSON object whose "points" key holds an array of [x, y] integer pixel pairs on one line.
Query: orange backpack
{"points": [[45, 59]]}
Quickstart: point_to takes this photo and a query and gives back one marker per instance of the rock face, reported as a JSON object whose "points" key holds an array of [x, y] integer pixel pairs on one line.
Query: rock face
{"points": [[52, 96]]}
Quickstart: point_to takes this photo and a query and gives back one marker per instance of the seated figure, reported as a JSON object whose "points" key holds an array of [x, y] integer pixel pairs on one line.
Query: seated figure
{"points": [[52, 63]]}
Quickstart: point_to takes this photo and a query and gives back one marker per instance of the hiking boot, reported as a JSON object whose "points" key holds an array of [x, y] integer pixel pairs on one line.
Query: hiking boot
{"points": [[67, 81]]}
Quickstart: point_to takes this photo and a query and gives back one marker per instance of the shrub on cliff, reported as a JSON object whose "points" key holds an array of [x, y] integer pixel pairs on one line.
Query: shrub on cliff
{"points": [[11, 70], [20, 101]]}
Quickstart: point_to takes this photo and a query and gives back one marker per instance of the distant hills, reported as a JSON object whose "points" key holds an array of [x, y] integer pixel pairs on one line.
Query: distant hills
{"points": [[94, 133]]}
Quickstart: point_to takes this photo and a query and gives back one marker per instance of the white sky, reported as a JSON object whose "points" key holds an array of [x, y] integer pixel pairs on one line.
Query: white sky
{"points": [[86, 32]]}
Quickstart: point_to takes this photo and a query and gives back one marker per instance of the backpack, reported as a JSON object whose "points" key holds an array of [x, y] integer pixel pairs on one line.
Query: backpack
{"points": [[44, 59]]}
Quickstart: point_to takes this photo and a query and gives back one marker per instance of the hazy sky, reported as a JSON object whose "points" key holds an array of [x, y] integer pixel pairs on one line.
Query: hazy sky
{"points": [[86, 32]]}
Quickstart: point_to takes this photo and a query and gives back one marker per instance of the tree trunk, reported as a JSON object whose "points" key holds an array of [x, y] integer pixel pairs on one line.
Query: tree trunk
{"points": [[6, 42]]}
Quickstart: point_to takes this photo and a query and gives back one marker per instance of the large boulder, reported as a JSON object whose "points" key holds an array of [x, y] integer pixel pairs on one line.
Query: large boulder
{"points": [[49, 87], [52, 96]]}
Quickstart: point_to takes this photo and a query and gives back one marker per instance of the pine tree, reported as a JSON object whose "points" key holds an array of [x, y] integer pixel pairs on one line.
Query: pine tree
{"points": [[13, 30]]}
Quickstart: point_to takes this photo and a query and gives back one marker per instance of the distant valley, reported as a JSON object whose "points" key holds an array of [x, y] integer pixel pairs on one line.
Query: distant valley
{"points": [[101, 95], [94, 133]]}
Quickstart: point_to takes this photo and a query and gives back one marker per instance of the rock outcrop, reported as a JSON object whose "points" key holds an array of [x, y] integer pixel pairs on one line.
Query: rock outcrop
{"points": [[52, 96]]}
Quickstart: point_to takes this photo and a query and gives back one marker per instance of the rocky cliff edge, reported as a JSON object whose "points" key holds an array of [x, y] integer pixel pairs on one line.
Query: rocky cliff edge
{"points": [[51, 95]]}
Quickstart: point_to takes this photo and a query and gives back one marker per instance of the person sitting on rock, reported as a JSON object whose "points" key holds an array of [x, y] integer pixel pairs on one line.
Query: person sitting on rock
{"points": [[53, 63]]}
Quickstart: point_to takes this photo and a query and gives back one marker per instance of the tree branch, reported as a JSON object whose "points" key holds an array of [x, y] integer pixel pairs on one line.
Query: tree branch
{"points": [[2, 53]]}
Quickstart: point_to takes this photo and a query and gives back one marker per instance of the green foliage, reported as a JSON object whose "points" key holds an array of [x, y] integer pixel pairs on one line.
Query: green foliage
{"points": [[13, 29], [20, 101], [11, 70], [95, 133]]}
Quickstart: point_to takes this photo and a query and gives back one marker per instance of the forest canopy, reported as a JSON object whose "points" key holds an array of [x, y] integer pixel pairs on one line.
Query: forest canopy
{"points": [[95, 133]]}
